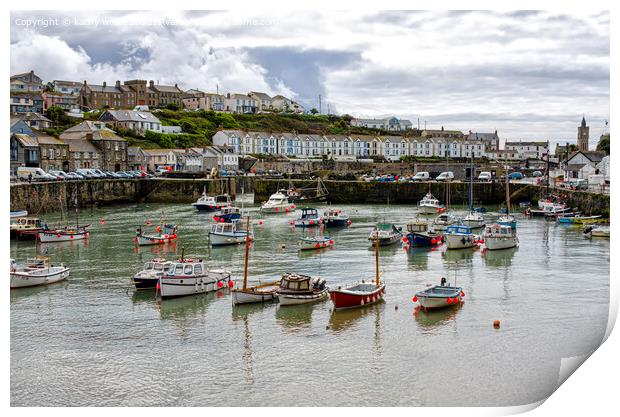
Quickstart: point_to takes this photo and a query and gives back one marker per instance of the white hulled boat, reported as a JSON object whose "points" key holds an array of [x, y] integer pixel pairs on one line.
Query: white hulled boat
{"points": [[597, 230], [430, 205], [460, 237], [36, 272], [189, 277], [386, 234], [212, 203], [443, 221], [233, 233], [474, 220], [499, 236], [277, 203], [315, 242]]}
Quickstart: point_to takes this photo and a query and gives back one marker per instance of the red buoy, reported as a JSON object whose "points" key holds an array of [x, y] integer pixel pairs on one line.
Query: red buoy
{"points": [[219, 284], [449, 300], [231, 284], [415, 298], [456, 300], [318, 245]]}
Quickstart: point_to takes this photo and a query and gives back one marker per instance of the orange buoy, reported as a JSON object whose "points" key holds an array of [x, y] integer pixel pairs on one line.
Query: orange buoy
{"points": [[462, 293], [496, 324]]}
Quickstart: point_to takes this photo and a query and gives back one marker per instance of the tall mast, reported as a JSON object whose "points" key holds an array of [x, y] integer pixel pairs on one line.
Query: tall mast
{"points": [[471, 182], [77, 220], [507, 186], [247, 253], [377, 257]]}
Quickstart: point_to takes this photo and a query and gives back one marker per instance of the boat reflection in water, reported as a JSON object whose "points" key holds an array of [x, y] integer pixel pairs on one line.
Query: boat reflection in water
{"points": [[304, 254], [461, 257], [349, 318], [417, 257], [158, 250], [187, 307], [243, 311], [499, 258], [431, 320], [296, 317]]}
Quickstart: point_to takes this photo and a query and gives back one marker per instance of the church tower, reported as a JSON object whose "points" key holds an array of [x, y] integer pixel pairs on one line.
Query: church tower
{"points": [[583, 135]]}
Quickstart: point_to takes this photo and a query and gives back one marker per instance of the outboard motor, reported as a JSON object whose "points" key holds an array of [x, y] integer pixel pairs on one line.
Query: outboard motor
{"points": [[443, 281]]}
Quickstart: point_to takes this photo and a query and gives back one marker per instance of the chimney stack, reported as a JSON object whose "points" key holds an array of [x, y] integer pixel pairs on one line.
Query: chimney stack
{"points": [[118, 84], [104, 84], [151, 84], [89, 136]]}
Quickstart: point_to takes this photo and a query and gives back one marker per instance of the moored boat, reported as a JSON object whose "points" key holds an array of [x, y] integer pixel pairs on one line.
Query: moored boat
{"points": [[189, 277], [163, 233], [36, 272], [64, 234], [227, 214], [418, 234], [26, 227], [212, 203], [335, 218], [597, 230], [430, 205], [256, 293], [498, 236], [360, 294], [233, 233], [307, 194], [277, 203], [386, 233], [474, 220], [309, 218], [18, 213], [460, 237], [443, 221], [439, 296], [301, 289], [149, 276], [315, 242], [508, 220]]}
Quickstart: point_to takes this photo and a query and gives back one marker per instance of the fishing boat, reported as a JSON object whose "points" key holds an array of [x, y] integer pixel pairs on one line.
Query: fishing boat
{"points": [[443, 221], [315, 242], [163, 233], [26, 227], [430, 205], [580, 219], [499, 236], [189, 277], [549, 210], [257, 293], [418, 234], [233, 233], [309, 218], [360, 294], [227, 214], [439, 296], [307, 194], [597, 230], [149, 276], [460, 237], [212, 203], [277, 203], [473, 219], [65, 233], [301, 289], [335, 218], [386, 233], [35, 272]]}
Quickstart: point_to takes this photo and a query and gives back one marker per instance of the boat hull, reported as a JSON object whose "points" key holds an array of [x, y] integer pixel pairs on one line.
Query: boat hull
{"points": [[52, 237], [474, 224], [459, 241], [346, 298], [423, 209], [147, 240], [312, 244], [224, 239], [206, 207], [309, 222], [181, 286], [294, 299], [336, 222], [42, 277], [274, 209], [241, 296], [450, 296], [497, 243], [145, 283], [422, 239]]}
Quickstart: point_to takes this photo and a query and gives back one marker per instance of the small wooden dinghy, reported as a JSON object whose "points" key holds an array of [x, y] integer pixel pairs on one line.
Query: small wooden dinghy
{"points": [[315, 242], [257, 293], [35, 272], [360, 294], [439, 296], [597, 230]]}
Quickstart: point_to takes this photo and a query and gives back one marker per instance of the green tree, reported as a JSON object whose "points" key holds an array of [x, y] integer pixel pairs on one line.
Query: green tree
{"points": [[173, 106], [57, 115], [603, 144], [314, 111]]}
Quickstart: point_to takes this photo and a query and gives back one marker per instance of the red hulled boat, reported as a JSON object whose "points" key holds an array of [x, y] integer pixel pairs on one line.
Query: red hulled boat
{"points": [[359, 294]]}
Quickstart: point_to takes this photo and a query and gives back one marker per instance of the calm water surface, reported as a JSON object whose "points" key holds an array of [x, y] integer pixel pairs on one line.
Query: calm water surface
{"points": [[93, 340]]}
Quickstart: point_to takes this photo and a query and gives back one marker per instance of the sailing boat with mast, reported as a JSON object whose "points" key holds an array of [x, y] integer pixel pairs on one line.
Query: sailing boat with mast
{"points": [[474, 219], [508, 219], [257, 293], [360, 294], [163, 233], [67, 232]]}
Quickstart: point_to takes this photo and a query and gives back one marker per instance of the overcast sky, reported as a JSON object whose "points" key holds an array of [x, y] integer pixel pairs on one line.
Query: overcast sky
{"points": [[529, 75]]}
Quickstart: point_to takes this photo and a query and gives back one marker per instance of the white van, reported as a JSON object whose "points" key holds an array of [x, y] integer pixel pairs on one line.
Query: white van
{"points": [[36, 174], [86, 173], [445, 176], [421, 176], [485, 176]]}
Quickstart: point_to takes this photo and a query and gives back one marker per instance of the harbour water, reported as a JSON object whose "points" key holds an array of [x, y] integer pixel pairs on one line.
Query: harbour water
{"points": [[92, 340]]}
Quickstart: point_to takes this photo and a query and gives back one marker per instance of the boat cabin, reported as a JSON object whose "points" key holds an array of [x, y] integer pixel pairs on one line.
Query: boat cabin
{"points": [[309, 213], [333, 213], [417, 226], [158, 265], [26, 223], [386, 227], [230, 210], [499, 230], [458, 230], [277, 198], [429, 199], [224, 228], [297, 283], [186, 268]]}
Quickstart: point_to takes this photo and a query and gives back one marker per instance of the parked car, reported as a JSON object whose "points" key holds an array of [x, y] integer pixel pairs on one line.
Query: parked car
{"points": [[74, 176], [124, 174], [445, 176], [515, 176], [62, 175], [421, 176], [485, 176], [86, 173], [537, 174], [161, 171]]}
